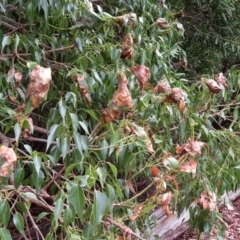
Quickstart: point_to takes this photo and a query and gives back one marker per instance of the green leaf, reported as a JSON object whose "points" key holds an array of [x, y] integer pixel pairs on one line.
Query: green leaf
{"points": [[6, 41], [68, 216], [65, 146], [17, 131], [19, 222], [41, 215], [76, 198], [53, 133], [88, 231], [171, 162], [100, 205], [81, 141], [37, 161], [37, 179], [84, 126], [102, 174], [18, 177], [62, 109], [113, 168], [5, 234], [4, 213], [104, 149], [28, 148], [31, 65], [16, 42], [58, 210], [79, 43], [91, 113]]}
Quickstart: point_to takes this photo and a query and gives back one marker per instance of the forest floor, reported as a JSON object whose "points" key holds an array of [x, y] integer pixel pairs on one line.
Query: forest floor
{"points": [[232, 220]]}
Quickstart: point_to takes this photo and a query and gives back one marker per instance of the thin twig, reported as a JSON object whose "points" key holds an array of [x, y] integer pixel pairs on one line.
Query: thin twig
{"points": [[126, 230], [34, 224], [44, 189]]}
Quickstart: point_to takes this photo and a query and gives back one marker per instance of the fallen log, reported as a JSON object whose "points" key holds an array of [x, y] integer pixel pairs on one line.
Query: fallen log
{"points": [[168, 228]]}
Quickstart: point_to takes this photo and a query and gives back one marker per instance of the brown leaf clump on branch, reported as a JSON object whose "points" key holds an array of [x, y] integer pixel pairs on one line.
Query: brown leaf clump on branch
{"points": [[83, 88], [38, 86], [8, 158], [127, 46], [121, 101], [142, 74]]}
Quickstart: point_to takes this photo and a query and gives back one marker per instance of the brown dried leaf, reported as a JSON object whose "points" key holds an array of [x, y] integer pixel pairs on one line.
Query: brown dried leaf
{"points": [[221, 80], [142, 74], [127, 46], [191, 147], [130, 186], [137, 211], [155, 171], [162, 22], [176, 96], [162, 87], [189, 166], [164, 201], [110, 115], [17, 76], [8, 157], [38, 86], [213, 86], [83, 88], [208, 200], [128, 18]]}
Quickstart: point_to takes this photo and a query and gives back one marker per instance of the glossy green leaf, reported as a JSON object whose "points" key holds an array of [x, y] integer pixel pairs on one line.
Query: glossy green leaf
{"points": [[52, 134], [5, 234], [37, 161], [65, 146], [102, 174], [68, 216], [4, 213], [19, 222], [58, 210], [18, 177], [17, 131], [100, 205], [76, 198], [6, 41], [104, 149], [62, 109]]}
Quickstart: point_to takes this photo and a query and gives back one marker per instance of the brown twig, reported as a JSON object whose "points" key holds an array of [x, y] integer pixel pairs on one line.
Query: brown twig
{"points": [[126, 230], [44, 189], [6, 141]]}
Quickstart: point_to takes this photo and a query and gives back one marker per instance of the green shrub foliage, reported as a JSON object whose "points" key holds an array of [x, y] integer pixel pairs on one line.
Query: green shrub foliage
{"points": [[107, 113]]}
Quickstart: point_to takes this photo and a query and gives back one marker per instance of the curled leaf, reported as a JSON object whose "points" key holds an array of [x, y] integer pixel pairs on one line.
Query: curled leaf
{"points": [[162, 23], [176, 96], [162, 87], [38, 86], [127, 46], [121, 101], [142, 74], [164, 201], [126, 19], [8, 158], [191, 147], [189, 166], [221, 80], [213, 86], [83, 88], [207, 200]]}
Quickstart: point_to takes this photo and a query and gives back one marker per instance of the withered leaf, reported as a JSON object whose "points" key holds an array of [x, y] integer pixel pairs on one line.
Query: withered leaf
{"points": [[83, 88], [189, 166], [162, 87], [38, 86], [221, 80], [207, 200], [142, 74], [213, 86], [8, 157]]}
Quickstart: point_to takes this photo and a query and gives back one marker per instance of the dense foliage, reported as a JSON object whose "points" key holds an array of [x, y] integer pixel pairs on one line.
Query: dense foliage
{"points": [[100, 123]]}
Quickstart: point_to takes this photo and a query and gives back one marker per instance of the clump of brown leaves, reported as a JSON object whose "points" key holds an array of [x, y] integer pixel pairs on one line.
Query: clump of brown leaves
{"points": [[8, 156], [121, 101], [142, 74]]}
